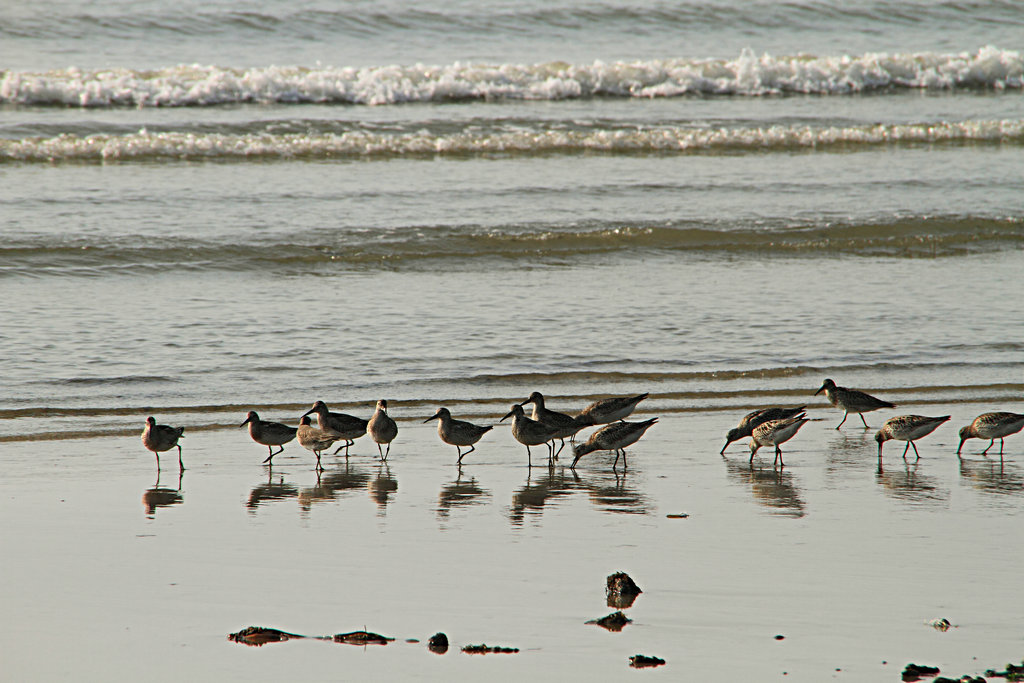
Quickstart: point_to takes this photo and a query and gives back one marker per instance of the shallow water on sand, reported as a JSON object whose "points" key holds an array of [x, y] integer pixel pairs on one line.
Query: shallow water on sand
{"points": [[114, 573]]}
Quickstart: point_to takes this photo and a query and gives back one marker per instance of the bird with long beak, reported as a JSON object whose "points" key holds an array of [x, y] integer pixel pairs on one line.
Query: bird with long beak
{"points": [[347, 428], [610, 409], [775, 433], [566, 425], [907, 428], [159, 438], [991, 426], [382, 429], [614, 437], [758, 417], [531, 433], [314, 439], [269, 434], [851, 401], [458, 433]]}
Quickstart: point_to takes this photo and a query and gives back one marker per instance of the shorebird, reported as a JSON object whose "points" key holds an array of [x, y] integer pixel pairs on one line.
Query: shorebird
{"points": [[159, 438], [609, 409], [991, 426], [382, 428], [614, 437], [346, 427], [531, 432], [758, 417], [566, 425], [269, 434], [907, 428], [775, 432], [315, 439], [851, 401], [458, 433]]}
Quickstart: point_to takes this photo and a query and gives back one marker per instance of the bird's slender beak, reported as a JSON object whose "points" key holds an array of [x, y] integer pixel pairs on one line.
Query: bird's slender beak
{"points": [[507, 416], [247, 421], [961, 446], [436, 415], [820, 390], [311, 410]]}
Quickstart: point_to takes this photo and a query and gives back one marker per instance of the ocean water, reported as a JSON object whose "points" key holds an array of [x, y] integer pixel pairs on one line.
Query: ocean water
{"points": [[212, 207]]}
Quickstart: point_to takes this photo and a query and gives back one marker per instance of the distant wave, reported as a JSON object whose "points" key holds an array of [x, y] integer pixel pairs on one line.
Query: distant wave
{"points": [[747, 75], [906, 238], [147, 145]]}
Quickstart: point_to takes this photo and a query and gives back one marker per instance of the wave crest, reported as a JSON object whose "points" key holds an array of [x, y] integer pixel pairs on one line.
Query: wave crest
{"points": [[748, 75]]}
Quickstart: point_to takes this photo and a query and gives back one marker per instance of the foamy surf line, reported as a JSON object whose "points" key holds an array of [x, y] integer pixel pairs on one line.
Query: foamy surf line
{"points": [[148, 145], [748, 74]]}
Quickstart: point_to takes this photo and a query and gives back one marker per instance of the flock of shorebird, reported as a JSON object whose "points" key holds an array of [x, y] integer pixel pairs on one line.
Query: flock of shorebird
{"points": [[765, 427]]}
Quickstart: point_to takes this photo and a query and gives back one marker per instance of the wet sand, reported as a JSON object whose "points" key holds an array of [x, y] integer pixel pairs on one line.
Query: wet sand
{"points": [[113, 574]]}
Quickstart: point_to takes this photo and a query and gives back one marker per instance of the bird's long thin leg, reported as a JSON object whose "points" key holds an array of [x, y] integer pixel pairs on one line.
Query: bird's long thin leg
{"points": [[181, 465], [529, 458], [845, 415], [915, 450], [990, 444], [864, 421], [560, 448], [906, 448]]}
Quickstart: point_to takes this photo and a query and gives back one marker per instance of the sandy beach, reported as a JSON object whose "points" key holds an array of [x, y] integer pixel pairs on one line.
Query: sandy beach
{"points": [[111, 572]]}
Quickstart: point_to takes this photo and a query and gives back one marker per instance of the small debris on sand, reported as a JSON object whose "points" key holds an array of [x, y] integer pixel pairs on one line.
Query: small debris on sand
{"points": [[940, 624], [257, 636], [361, 638], [621, 590], [644, 661], [681, 515], [915, 672], [780, 637], [615, 621], [484, 649], [438, 643]]}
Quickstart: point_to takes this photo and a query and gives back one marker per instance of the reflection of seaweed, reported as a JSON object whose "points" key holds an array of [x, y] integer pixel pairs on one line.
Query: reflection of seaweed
{"points": [[616, 621], [159, 497], [265, 493], [458, 494], [328, 486], [382, 487], [989, 476], [257, 636], [484, 649], [904, 483], [773, 488]]}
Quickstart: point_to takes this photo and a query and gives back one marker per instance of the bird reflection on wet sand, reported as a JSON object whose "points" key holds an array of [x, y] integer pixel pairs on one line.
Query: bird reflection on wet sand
{"points": [[329, 486], [608, 491], [773, 487], [381, 487], [991, 476], [458, 494], [903, 482], [160, 497], [269, 492]]}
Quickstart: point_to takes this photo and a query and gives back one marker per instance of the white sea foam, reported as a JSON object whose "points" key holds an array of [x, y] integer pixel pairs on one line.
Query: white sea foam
{"points": [[748, 74], [146, 144]]}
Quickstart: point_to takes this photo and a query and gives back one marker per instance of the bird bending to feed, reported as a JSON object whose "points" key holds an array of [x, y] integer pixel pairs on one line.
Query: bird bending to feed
{"points": [[991, 426], [314, 439], [382, 428], [269, 434], [907, 428], [458, 433], [159, 438], [851, 401], [566, 425], [774, 433], [609, 409], [347, 428], [758, 417], [614, 437], [531, 433]]}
